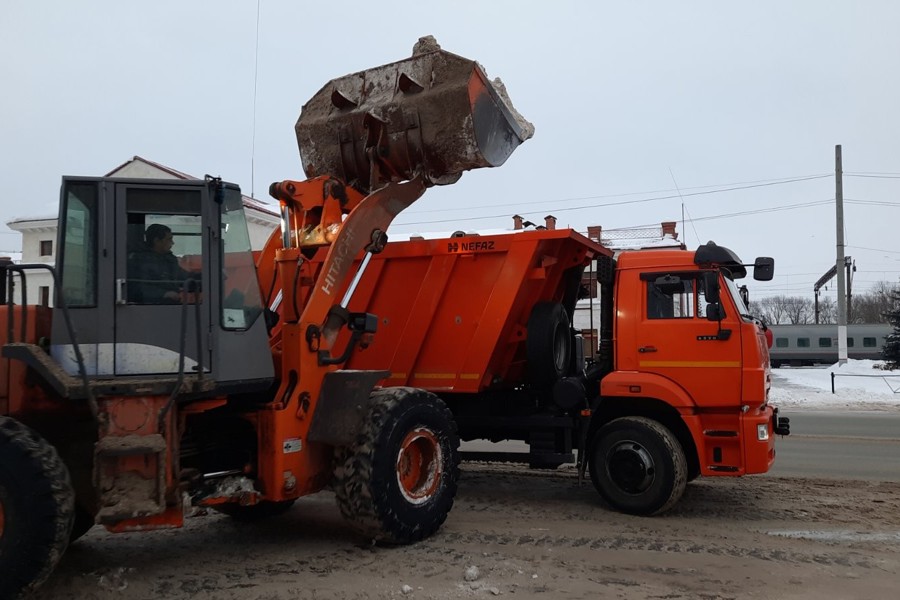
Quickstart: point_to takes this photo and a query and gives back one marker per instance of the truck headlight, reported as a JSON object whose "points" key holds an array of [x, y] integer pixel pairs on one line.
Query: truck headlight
{"points": [[762, 432]]}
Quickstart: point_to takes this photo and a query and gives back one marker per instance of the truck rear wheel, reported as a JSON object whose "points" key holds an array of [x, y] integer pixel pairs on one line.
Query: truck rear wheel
{"points": [[638, 466], [549, 343], [397, 482], [37, 505]]}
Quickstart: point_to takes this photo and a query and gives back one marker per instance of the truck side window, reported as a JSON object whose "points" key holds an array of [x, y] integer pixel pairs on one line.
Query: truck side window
{"points": [[671, 302]]}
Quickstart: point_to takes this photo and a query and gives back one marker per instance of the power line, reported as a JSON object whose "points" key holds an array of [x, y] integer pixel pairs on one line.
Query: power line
{"points": [[776, 181], [875, 249], [873, 202], [750, 212], [255, 87], [874, 175], [620, 203]]}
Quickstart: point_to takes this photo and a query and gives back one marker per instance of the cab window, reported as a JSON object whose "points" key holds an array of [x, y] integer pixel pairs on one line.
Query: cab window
{"points": [[671, 300]]}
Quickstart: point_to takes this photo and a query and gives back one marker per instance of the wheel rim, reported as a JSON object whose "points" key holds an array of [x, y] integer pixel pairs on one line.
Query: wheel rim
{"points": [[419, 465], [630, 467]]}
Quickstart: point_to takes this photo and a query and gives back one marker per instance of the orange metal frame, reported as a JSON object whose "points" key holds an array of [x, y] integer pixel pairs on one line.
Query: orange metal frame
{"points": [[311, 276]]}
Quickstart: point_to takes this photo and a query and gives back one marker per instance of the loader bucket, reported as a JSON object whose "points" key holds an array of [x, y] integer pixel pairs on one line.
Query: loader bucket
{"points": [[435, 114]]}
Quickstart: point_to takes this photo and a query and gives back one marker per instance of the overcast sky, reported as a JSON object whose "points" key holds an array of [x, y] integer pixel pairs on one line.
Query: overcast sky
{"points": [[629, 99]]}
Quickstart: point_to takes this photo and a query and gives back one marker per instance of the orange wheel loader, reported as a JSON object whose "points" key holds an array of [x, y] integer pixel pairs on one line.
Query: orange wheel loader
{"points": [[152, 385]]}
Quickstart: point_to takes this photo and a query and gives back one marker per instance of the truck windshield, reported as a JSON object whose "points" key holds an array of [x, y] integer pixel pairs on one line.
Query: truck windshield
{"points": [[241, 303], [735, 294]]}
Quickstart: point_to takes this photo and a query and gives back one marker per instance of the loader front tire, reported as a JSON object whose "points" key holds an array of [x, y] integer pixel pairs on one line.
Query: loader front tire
{"points": [[37, 507], [396, 483], [637, 466]]}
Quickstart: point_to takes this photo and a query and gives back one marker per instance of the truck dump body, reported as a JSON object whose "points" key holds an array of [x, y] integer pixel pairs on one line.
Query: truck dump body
{"points": [[453, 312]]}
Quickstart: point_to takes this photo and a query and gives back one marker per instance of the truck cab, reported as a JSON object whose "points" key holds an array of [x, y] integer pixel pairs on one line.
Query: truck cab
{"points": [[689, 356]]}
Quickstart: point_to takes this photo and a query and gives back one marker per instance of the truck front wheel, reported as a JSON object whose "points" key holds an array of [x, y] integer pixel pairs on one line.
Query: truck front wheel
{"points": [[397, 482], [37, 506], [637, 466]]}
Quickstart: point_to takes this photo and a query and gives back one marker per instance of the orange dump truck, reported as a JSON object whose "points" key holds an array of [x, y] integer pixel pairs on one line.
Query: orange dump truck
{"points": [[679, 386]]}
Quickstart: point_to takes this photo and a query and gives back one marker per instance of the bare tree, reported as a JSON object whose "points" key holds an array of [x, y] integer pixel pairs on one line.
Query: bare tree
{"points": [[781, 310], [800, 310], [872, 306], [869, 307], [827, 311]]}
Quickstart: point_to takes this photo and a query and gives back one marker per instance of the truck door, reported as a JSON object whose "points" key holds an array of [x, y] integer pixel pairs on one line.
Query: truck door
{"points": [[162, 249], [675, 340]]}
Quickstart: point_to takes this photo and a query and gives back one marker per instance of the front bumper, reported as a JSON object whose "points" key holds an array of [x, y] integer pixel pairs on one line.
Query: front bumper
{"points": [[759, 432]]}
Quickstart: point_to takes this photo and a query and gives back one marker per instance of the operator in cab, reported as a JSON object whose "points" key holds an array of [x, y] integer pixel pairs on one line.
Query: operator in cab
{"points": [[155, 275]]}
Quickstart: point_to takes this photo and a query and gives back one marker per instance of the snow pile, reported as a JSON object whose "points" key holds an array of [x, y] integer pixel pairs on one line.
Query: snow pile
{"points": [[858, 385]]}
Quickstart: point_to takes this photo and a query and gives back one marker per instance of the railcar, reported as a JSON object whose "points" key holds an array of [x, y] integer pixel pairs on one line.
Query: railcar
{"points": [[806, 345]]}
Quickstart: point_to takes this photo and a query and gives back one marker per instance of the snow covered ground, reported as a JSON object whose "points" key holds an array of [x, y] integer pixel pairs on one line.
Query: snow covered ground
{"points": [[858, 385]]}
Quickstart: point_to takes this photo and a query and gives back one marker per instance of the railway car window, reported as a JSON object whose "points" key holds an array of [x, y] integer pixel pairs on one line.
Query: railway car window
{"points": [[803, 342], [849, 342], [781, 342], [869, 342], [824, 342]]}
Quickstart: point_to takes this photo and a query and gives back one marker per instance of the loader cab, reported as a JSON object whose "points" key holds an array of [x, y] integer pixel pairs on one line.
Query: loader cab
{"points": [[151, 270]]}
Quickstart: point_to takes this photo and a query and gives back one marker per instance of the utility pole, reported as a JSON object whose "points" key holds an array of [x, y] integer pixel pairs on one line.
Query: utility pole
{"points": [[839, 263]]}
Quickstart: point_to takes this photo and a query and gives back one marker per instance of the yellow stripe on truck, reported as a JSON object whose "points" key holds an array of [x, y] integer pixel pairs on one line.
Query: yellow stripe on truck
{"points": [[695, 364]]}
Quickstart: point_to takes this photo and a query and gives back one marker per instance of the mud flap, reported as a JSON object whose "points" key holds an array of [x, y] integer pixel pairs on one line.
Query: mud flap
{"points": [[342, 406]]}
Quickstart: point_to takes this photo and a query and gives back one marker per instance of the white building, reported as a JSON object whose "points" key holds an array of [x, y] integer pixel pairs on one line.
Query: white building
{"points": [[39, 233]]}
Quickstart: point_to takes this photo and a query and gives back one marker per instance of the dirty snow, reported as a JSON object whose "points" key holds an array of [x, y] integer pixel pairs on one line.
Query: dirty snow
{"points": [[858, 385]]}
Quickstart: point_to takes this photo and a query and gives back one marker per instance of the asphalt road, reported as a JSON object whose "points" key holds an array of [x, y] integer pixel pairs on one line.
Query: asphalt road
{"points": [[840, 445], [832, 445]]}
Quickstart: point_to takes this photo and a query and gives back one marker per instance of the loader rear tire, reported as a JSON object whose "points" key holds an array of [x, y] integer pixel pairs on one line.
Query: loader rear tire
{"points": [[397, 481], [638, 466], [37, 507]]}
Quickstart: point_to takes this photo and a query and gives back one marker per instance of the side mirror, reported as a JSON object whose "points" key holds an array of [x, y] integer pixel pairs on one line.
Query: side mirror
{"points": [[714, 312], [764, 268], [711, 286]]}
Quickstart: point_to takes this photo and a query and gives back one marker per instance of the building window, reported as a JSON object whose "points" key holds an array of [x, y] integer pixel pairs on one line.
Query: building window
{"points": [[869, 342], [803, 342], [46, 247], [824, 342], [781, 342], [44, 295]]}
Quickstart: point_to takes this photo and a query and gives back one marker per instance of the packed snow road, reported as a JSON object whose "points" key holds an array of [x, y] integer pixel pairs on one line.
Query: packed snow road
{"points": [[531, 534]]}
